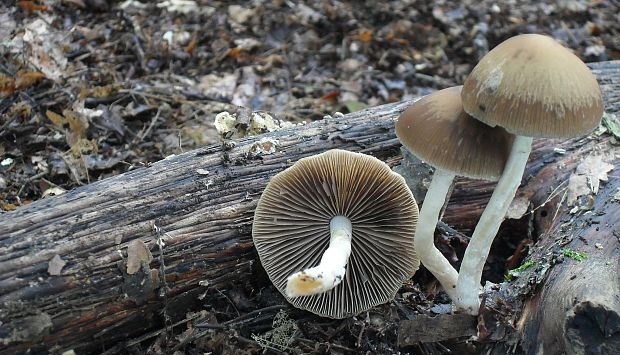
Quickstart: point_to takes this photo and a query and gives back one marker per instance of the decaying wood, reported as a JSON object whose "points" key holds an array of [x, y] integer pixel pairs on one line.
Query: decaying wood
{"points": [[575, 307], [568, 300], [576, 310], [67, 280], [444, 327]]}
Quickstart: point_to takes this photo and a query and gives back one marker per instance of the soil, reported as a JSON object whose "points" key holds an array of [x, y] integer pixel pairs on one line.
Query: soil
{"points": [[94, 88]]}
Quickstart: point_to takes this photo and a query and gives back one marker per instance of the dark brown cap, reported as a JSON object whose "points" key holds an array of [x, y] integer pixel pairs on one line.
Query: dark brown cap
{"points": [[291, 229], [438, 131], [533, 86]]}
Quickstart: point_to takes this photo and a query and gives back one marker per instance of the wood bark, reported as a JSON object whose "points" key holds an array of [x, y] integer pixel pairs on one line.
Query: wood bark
{"points": [[576, 307], [67, 281]]}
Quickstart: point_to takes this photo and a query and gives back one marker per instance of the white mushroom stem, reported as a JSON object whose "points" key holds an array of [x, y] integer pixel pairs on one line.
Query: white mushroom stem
{"points": [[470, 274], [424, 243], [330, 272]]}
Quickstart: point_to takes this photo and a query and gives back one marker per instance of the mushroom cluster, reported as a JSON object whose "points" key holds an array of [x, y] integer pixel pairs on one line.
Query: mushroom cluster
{"points": [[334, 233], [437, 130], [529, 86]]}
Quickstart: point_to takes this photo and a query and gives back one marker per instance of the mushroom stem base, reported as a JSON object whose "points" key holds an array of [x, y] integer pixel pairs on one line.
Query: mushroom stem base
{"points": [[470, 274], [332, 269], [424, 243]]}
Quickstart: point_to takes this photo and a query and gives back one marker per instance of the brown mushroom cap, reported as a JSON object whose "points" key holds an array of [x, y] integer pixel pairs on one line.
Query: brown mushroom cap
{"points": [[438, 131], [533, 86], [291, 228]]}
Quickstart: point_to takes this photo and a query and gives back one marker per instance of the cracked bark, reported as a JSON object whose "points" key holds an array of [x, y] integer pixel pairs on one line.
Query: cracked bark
{"points": [[204, 222]]}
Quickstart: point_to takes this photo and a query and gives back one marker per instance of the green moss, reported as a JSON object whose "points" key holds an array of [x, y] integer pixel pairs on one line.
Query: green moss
{"points": [[575, 255], [515, 272]]}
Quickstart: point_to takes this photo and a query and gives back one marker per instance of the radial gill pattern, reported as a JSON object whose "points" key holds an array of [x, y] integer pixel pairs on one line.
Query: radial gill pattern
{"points": [[291, 228]]}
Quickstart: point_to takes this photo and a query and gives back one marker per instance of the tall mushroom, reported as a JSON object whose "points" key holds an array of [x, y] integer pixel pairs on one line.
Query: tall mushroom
{"points": [[334, 233], [438, 131], [533, 87]]}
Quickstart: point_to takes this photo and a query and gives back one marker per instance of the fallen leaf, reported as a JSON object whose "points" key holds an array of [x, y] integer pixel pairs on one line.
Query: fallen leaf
{"points": [[74, 126], [353, 106], [182, 6], [595, 170], [8, 206], [53, 191], [612, 124], [518, 207], [332, 95], [365, 36], [54, 267], [31, 6], [26, 79], [138, 254], [239, 14], [45, 50], [7, 85], [216, 86], [236, 52], [7, 24], [191, 46], [587, 177]]}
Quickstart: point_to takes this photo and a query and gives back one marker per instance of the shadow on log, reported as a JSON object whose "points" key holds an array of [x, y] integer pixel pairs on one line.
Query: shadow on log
{"points": [[68, 279]]}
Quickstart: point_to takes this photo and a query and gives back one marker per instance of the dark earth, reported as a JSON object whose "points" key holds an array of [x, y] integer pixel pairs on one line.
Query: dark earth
{"points": [[93, 88]]}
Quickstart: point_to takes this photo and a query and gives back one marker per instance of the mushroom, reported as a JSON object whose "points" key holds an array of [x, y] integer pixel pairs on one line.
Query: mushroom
{"points": [[438, 131], [533, 87], [334, 233]]}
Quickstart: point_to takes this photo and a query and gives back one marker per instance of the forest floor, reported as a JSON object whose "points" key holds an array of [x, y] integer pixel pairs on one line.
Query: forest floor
{"points": [[94, 88]]}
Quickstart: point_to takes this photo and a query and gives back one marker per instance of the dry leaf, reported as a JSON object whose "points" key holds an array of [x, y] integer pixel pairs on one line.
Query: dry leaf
{"points": [[46, 45], [138, 254], [7, 85], [595, 170], [365, 36], [54, 267], [8, 206], [216, 86], [74, 127], [182, 6], [31, 6], [53, 191], [56, 119], [236, 52], [587, 177], [518, 207], [25, 79], [191, 46]]}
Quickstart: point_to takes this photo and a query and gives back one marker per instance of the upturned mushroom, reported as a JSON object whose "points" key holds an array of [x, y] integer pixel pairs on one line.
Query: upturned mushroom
{"points": [[334, 233], [533, 87], [438, 131]]}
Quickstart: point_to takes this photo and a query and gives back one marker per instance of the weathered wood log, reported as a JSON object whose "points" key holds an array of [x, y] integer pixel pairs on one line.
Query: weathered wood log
{"points": [[576, 309], [444, 326], [575, 278], [68, 282]]}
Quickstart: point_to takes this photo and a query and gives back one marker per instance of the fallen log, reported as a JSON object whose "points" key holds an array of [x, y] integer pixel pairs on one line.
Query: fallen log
{"points": [[576, 307], [129, 255], [574, 281]]}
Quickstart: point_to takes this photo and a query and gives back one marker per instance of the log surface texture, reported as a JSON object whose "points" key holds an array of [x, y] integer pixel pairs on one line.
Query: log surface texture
{"points": [[64, 280]]}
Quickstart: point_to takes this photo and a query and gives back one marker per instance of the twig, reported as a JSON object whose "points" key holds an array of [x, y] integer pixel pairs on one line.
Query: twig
{"points": [[150, 127], [162, 275], [241, 319], [30, 179]]}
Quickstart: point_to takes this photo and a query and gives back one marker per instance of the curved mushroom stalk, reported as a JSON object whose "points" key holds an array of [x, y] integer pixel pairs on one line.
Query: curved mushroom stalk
{"points": [[424, 243], [330, 272], [470, 273]]}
